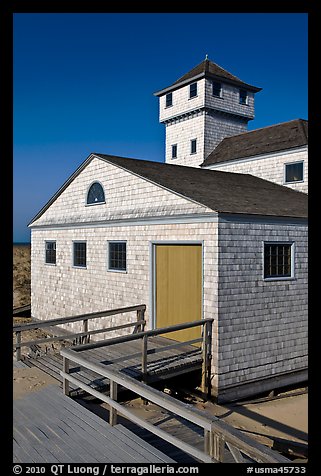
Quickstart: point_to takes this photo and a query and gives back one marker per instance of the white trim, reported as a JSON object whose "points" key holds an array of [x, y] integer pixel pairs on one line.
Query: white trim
{"points": [[280, 278], [178, 220], [293, 163], [257, 157], [152, 253], [162, 220]]}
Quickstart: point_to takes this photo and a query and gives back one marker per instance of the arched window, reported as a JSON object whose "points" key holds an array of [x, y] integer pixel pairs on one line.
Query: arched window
{"points": [[95, 194]]}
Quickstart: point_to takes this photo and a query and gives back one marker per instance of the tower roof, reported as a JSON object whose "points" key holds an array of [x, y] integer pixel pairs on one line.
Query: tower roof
{"points": [[208, 69]]}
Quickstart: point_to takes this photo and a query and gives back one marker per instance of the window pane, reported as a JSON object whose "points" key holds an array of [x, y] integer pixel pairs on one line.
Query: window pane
{"points": [[174, 151], [117, 256], [217, 89], [80, 254], [95, 194], [243, 96], [193, 146], [50, 248], [277, 260], [169, 99], [193, 90], [294, 172]]}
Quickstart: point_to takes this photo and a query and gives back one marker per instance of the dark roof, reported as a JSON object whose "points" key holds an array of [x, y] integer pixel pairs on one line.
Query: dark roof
{"points": [[221, 191], [208, 69], [286, 135]]}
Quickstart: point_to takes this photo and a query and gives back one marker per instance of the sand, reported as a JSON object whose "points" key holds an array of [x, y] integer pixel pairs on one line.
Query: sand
{"points": [[21, 275]]}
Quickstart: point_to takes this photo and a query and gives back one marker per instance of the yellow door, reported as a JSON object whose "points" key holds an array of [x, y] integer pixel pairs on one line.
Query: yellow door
{"points": [[179, 288]]}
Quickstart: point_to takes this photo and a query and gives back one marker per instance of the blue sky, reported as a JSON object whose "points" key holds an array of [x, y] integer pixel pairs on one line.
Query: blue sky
{"points": [[84, 83]]}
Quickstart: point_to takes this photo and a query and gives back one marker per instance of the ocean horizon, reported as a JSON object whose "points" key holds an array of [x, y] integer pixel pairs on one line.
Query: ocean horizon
{"points": [[21, 243]]}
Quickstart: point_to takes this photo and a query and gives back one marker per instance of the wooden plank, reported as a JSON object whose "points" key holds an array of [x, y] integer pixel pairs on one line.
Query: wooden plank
{"points": [[112, 436], [228, 433], [236, 453], [123, 411], [140, 442]]}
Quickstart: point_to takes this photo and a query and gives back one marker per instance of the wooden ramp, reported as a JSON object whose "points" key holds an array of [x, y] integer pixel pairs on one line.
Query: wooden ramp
{"points": [[49, 427], [163, 362]]}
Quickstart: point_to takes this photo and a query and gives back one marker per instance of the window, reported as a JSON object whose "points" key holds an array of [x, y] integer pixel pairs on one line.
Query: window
{"points": [[294, 172], [193, 146], [278, 260], [217, 89], [193, 90], [95, 194], [169, 99], [117, 256], [174, 151], [50, 247], [79, 254], [243, 96]]}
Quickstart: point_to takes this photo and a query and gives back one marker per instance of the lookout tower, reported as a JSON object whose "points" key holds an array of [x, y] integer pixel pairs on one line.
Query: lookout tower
{"points": [[200, 109]]}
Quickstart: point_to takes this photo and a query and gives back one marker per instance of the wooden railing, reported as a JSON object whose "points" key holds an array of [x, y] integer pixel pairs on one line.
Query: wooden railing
{"points": [[84, 336], [218, 435], [206, 350]]}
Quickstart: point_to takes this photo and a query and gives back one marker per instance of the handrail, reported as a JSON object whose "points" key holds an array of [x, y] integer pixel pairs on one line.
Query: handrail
{"points": [[85, 334], [216, 432], [64, 320], [206, 351]]}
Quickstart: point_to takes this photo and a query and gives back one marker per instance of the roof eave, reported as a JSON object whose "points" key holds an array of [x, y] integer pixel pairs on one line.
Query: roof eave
{"points": [[206, 74]]}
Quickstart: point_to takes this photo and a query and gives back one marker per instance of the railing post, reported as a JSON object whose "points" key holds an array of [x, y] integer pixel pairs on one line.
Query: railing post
{"points": [[18, 349], [140, 317], [144, 363], [86, 338], [207, 442], [206, 364], [65, 382], [216, 446], [113, 411]]}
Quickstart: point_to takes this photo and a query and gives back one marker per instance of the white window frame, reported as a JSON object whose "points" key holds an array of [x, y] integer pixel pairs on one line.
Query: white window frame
{"points": [[246, 103], [73, 254], [112, 270], [293, 163], [221, 89], [280, 278], [170, 105]]}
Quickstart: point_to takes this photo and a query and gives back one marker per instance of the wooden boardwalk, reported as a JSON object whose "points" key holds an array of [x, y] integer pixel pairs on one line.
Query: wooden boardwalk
{"points": [[126, 358], [49, 427]]}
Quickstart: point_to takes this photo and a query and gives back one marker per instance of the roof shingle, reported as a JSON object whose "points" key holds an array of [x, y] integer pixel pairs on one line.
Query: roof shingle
{"points": [[286, 135], [223, 192]]}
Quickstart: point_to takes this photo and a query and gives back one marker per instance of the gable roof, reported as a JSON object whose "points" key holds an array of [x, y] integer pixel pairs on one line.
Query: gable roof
{"points": [[286, 135], [223, 192], [208, 69]]}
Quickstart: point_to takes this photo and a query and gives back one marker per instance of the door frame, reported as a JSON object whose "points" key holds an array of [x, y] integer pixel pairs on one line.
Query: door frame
{"points": [[152, 272]]}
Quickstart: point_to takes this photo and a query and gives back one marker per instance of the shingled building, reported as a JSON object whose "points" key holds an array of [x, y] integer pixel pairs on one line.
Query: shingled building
{"points": [[209, 241]]}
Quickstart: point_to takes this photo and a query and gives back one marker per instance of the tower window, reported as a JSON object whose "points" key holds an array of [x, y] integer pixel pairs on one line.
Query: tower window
{"points": [[294, 172], [174, 151], [217, 89], [169, 99], [193, 90], [243, 96], [193, 146]]}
